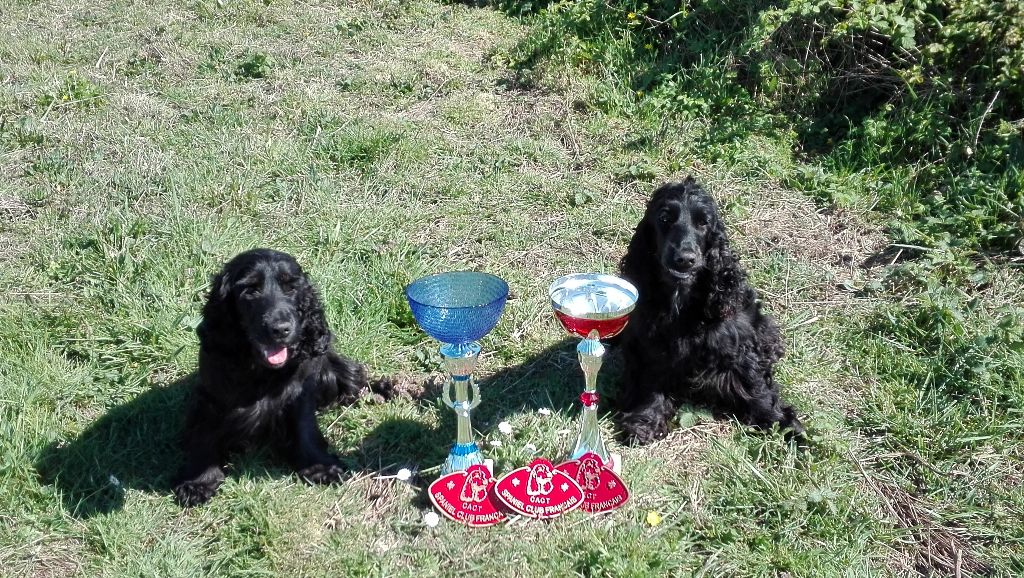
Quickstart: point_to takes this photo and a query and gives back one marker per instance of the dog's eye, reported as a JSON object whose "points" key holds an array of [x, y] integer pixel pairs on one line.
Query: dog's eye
{"points": [[665, 216], [289, 285]]}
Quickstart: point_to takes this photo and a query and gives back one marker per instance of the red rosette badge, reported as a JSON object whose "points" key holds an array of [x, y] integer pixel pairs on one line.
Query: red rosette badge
{"points": [[539, 490], [467, 497], [603, 490]]}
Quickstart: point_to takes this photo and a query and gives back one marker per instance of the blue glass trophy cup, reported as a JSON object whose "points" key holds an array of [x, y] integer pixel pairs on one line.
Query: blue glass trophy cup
{"points": [[457, 309]]}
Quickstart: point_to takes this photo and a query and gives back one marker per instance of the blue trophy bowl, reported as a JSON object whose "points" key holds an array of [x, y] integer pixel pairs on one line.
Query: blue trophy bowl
{"points": [[459, 306]]}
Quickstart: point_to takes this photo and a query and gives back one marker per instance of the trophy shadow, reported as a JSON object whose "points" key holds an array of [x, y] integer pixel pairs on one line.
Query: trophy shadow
{"points": [[550, 379], [398, 443]]}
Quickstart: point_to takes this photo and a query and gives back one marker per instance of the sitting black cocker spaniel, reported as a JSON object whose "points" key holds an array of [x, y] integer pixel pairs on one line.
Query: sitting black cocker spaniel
{"points": [[697, 332], [265, 366]]}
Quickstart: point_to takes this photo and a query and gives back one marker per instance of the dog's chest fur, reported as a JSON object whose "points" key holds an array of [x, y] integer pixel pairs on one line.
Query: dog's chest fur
{"points": [[713, 345], [687, 344], [253, 400]]}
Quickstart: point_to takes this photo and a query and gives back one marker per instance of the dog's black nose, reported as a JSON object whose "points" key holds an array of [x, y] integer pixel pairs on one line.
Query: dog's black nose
{"points": [[281, 329], [684, 260]]}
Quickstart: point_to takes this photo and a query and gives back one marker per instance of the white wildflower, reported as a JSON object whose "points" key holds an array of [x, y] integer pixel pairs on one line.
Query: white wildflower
{"points": [[431, 519]]}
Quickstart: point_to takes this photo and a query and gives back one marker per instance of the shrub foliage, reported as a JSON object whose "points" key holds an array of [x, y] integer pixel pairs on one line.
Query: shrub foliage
{"points": [[916, 105]]}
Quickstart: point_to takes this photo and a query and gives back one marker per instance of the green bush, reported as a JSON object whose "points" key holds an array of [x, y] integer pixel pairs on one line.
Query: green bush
{"points": [[914, 104]]}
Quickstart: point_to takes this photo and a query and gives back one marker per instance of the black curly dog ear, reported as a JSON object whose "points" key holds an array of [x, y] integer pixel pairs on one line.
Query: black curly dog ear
{"points": [[641, 258], [219, 326], [316, 337], [728, 280]]}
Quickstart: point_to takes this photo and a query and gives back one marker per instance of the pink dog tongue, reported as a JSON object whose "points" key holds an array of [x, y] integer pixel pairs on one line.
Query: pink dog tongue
{"points": [[277, 356]]}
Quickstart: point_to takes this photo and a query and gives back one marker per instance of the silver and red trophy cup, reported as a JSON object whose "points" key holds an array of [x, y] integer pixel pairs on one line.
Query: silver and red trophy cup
{"points": [[594, 307], [457, 309]]}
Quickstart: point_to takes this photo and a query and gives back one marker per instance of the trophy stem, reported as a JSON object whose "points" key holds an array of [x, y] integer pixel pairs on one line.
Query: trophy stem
{"points": [[590, 353], [460, 361], [463, 423]]}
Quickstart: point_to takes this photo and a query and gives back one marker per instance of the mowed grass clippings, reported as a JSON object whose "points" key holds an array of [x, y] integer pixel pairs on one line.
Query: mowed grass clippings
{"points": [[142, 146]]}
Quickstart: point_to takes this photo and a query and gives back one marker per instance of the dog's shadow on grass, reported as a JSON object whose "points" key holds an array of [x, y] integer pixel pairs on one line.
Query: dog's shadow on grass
{"points": [[135, 446], [132, 446]]}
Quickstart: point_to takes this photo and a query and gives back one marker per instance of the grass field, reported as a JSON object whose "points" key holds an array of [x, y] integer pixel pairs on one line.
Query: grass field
{"points": [[143, 144]]}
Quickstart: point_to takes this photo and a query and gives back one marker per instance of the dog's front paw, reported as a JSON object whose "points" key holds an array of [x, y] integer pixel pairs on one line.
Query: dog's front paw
{"points": [[794, 430], [322, 474], [640, 429], [195, 493], [386, 387]]}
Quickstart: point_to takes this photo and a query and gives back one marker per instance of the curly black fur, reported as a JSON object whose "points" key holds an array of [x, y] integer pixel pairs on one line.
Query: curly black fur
{"points": [[265, 366], [697, 332]]}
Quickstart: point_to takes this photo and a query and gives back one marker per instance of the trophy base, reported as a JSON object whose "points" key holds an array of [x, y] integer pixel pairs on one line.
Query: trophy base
{"points": [[461, 457], [613, 463]]}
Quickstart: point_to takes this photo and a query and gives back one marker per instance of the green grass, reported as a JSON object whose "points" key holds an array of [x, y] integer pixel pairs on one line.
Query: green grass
{"points": [[383, 140]]}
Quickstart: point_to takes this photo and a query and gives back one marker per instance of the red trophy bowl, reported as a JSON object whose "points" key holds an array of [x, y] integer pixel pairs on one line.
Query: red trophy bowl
{"points": [[594, 307]]}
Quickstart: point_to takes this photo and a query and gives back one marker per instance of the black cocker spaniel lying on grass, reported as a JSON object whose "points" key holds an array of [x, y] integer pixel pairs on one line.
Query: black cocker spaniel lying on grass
{"points": [[265, 366], [697, 333]]}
